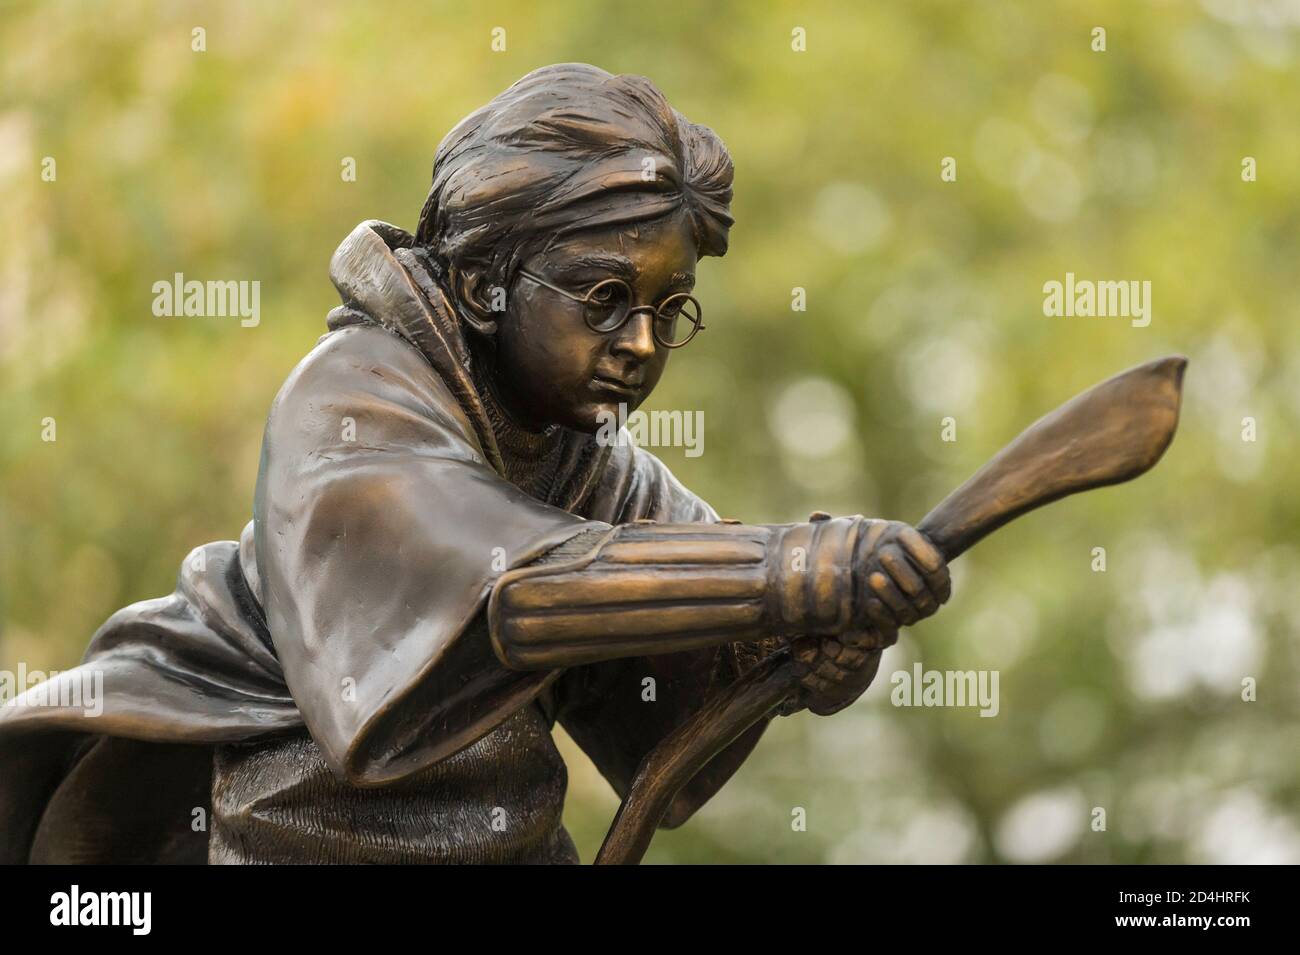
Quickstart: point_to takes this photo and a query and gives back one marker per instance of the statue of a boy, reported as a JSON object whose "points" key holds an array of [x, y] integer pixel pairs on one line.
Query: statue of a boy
{"points": [[444, 560]]}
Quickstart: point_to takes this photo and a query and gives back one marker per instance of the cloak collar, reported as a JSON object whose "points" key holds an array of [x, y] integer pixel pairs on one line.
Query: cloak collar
{"points": [[377, 288], [383, 279]]}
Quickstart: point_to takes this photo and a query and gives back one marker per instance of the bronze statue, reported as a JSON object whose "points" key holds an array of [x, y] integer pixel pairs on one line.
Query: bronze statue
{"points": [[444, 559]]}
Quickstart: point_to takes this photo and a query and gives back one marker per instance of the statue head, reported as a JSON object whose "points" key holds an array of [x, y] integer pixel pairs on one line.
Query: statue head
{"points": [[566, 218]]}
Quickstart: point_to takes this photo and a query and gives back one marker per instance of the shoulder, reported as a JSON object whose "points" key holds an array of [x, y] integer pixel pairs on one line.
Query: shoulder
{"points": [[349, 356], [378, 381]]}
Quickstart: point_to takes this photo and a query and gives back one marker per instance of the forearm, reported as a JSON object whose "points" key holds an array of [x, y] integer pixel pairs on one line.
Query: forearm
{"points": [[646, 589]]}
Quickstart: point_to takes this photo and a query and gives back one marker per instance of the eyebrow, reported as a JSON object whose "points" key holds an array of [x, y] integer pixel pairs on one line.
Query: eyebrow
{"points": [[619, 265], [681, 280]]}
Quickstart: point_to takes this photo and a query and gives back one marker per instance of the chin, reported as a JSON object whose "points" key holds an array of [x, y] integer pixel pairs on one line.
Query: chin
{"points": [[590, 418]]}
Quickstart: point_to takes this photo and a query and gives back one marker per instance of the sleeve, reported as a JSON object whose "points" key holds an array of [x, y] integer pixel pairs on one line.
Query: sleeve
{"points": [[379, 529], [618, 711]]}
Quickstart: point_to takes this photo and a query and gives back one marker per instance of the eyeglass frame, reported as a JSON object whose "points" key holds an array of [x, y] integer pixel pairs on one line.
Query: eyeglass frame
{"points": [[698, 322]]}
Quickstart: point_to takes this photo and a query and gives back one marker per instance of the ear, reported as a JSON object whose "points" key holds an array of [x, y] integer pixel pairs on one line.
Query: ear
{"points": [[471, 289]]}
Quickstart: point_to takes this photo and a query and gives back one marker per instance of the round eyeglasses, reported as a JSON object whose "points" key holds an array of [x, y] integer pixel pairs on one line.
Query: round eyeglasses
{"points": [[607, 306]]}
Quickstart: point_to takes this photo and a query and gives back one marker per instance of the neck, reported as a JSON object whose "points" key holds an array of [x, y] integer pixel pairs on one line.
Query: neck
{"points": [[517, 442]]}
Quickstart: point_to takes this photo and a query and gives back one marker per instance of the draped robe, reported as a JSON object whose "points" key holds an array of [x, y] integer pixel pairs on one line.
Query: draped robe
{"points": [[349, 616]]}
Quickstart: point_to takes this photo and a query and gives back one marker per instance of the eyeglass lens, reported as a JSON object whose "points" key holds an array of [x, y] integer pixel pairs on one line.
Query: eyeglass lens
{"points": [[609, 302]]}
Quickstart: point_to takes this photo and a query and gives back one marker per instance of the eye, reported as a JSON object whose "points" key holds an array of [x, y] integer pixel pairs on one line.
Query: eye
{"points": [[604, 295], [607, 304], [610, 297]]}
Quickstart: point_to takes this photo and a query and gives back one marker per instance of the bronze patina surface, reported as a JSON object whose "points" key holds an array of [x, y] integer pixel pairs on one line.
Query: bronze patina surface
{"points": [[445, 559]]}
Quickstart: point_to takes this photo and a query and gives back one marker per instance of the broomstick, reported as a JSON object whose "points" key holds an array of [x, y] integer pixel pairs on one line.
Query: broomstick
{"points": [[1109, 434]]}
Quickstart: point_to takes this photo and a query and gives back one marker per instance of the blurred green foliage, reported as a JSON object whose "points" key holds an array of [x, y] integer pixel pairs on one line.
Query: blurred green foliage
{"points": [[1120, 690]]}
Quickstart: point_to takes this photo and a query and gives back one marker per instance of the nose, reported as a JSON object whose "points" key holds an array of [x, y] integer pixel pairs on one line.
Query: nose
{"points": [[636, 338]]}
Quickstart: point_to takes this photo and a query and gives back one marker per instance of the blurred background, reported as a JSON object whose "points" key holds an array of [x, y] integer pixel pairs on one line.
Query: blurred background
{"points": [[1120, 689]]}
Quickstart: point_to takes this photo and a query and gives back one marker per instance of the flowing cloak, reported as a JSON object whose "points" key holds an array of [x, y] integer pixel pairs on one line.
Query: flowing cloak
{"points": [[352, 604]]}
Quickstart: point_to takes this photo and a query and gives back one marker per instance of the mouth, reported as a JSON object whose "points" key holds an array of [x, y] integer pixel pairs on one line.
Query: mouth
{"points": [[618, 387]]}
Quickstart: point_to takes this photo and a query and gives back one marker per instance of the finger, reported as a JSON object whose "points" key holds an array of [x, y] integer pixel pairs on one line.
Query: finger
{"points": [[886, 637], [931, 563], [901, 569], [829, 672], [850, 658], [867, 672], [805, 650], [909, 581], [929, 560], [874, 531], [874, 638], [885, 588], [815, 684], [879, 613], [860, 639], [926, 554]]}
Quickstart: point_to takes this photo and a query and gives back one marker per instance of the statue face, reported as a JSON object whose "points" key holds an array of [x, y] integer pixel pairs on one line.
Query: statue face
{"points": [[551, 367]]}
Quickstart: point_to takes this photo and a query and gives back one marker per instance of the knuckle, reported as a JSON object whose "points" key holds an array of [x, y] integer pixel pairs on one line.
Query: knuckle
{"points": [[856, 639], [852, 658]]}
